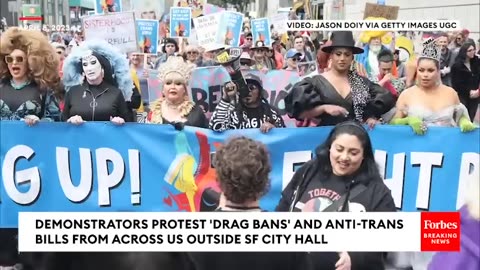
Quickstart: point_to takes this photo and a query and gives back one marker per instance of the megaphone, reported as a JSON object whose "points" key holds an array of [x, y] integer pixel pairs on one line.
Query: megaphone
{"points": [[230, 59]]}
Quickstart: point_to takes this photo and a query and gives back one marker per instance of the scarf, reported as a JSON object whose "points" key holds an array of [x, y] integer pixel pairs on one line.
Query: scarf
{"points": [[360, 94]]}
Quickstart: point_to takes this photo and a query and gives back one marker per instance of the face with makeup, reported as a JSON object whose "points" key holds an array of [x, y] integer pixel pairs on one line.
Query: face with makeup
{"points": [[17, 64], [92, 68], [174, 88]]}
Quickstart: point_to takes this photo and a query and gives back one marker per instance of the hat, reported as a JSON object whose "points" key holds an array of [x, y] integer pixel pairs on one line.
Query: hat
{"points": [[292, 53], [214, 47], [342, 39], [253, 79], [246, 56], [260, 45], [169, 41]]}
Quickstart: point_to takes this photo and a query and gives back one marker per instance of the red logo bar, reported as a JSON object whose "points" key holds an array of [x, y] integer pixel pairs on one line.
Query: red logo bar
{"points": [[30, 18], [440, 231]]}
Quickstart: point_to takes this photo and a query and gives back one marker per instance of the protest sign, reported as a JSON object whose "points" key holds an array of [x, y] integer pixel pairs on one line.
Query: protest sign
{"points": [[382, 11], [279, 22], [148, 9], [66, 168], [197, 6], [210, 9], [147, 38], [208, 26], [118, 29], [180, 22], [206, 83], [231, 24], [307, 68], [104, 6], [261, 31]]}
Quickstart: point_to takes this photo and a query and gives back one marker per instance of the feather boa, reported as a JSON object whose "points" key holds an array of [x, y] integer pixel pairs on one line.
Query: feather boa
{"points": [[73, 74]]}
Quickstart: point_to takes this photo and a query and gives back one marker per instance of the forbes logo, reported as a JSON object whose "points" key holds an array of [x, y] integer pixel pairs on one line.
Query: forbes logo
{"points": [[439, 225]]}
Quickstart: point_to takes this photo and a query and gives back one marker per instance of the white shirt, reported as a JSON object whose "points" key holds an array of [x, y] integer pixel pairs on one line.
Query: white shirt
{"points": [[373, 64]]}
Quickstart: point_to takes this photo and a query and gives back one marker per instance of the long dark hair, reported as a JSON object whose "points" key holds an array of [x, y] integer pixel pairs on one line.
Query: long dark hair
{"points": [[368, 171], [462, 53]]}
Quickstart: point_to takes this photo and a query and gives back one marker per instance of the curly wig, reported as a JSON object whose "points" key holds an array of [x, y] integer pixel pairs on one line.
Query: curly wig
{"points": [[41, 56], [73, 71], [243, 167]]}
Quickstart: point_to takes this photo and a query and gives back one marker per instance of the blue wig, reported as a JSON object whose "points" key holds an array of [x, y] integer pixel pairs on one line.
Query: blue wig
{"points": [[73, 72]]}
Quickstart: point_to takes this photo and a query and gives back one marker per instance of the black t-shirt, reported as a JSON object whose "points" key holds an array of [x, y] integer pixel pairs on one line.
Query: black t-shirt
{"points": [[321, 194]]}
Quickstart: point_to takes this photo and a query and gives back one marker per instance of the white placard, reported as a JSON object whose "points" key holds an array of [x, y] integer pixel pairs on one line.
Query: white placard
{"points": [[118, 29], [279, 22], [207, 28]]}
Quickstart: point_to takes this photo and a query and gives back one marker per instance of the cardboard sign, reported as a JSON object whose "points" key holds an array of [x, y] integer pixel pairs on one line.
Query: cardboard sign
{"points": [[387, 12], [207, 28], [118, 29]]}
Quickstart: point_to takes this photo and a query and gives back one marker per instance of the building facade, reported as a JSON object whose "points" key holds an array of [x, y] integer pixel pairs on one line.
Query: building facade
{"points": [[53, 12]]}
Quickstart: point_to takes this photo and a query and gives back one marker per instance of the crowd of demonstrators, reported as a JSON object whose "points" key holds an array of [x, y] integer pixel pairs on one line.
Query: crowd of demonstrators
{"points": [[65, 78]]}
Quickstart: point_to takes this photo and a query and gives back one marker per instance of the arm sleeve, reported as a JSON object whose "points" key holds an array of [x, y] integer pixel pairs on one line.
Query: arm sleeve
{"points": [[198, 118], [289, 191], [381, 101], [459, 83], [122, 109], [66, 107], [136, 99], [302, 97], [222, 117]]}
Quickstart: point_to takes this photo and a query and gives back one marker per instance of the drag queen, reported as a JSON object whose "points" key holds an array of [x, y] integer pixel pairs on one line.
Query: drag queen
{"points": [[98, 84], [175, 106], [429, 102], [28, 75]]}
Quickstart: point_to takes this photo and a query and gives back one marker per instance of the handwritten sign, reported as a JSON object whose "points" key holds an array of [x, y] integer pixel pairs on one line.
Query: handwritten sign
{"points": [[279, 22], [118, 29], [206, 28], [180, 22], [383, 11]]}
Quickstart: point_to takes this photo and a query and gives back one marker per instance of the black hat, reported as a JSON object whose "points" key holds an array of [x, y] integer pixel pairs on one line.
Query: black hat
{"points": [[253, 79], [342, 39]]}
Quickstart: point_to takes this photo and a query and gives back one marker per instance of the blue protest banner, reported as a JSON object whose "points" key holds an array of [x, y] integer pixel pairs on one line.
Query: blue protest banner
{"points": [[230, 30], [140, 167], [104, 6], [180, 21], [147, 35], [261, 31]]}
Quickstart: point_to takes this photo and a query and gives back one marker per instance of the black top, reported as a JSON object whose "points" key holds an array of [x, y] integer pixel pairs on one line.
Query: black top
{"points": [[249, 260], [95, 103], [16, 104], [463, 79], [196, 118], [314, 194], [317, 90]]}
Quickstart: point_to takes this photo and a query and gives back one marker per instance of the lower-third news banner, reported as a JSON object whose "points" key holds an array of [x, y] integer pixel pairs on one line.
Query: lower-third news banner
{"points": [[233, 231]]}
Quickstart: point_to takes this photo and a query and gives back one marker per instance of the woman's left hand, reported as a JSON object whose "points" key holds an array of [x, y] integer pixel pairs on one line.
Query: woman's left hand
{"points": [[344, 263], [117, 120], [371, 122], [31, 120], [266, 127]]}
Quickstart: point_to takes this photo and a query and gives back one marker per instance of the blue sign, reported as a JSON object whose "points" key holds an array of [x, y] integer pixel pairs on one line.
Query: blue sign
{"points": [[147, 35], [141, 167], [261, 31], [230, 28], [180, 22], [107, 6]]}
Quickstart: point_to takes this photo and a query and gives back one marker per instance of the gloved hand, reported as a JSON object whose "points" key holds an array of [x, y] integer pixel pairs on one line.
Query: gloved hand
{"points": [[466, 125], [415, 123]]}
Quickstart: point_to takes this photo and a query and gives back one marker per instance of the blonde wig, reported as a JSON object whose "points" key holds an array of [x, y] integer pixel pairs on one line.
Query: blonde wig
{"points": [[42, 59]]}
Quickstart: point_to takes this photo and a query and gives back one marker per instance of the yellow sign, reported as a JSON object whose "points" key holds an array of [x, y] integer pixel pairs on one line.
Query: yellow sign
{"points": [[223, 57]]}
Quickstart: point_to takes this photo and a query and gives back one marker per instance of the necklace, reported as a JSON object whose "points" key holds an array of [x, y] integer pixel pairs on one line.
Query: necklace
{"points": [[19, 86]]}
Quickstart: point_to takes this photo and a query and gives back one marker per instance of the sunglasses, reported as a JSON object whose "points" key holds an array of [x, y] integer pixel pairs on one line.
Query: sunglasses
{"points": [[176, 82], [295, 59], [9, 59], [192, 52]]}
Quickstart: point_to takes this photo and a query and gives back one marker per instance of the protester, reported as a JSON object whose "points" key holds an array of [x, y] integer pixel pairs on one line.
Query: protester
{"points": [[98, 84], [243, 167], [345, 168], [446, 59], [386, 79], [28, 77], [466, 78], [430, 103], [139, 75], [191, 54], [252, 111], [246, 62], [339, 94], [175, 107], [292, 59], [169, 48], [401, 73], [299, 45], [262, 62]]}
